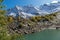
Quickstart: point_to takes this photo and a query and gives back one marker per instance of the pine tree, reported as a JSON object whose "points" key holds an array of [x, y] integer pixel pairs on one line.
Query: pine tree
{"points": [[2, 14]]}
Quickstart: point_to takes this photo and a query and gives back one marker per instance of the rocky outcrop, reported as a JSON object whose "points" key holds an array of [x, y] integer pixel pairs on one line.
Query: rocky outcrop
{"points": [[27, 28]]}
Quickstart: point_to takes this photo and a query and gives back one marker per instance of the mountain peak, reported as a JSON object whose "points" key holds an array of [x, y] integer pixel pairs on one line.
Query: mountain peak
{"points": [[18, 7]]}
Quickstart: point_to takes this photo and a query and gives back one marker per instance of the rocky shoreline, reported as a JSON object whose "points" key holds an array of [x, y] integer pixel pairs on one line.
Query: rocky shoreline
{"points": [[28, 29]]}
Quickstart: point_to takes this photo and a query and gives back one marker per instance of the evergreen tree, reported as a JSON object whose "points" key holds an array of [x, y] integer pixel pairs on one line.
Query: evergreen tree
{"points": [[2, 14]]}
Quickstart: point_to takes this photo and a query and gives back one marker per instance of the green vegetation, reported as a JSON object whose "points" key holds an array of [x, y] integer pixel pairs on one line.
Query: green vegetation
{"points": [[35, 19], [41, 18], [4, 21], [10, 19]]}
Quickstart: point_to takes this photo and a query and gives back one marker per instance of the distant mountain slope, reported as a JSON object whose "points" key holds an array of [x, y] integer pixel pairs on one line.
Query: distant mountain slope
{"points": [[49, 7], [28, 11]]}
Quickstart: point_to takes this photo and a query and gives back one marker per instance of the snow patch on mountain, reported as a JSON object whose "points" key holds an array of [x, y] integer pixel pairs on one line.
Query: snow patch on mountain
{"points": [[25, 15], [48, 4], [54, 1]]}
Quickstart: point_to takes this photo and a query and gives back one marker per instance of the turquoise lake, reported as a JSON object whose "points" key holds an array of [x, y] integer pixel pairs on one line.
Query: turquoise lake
{"points": [[44, 35]]}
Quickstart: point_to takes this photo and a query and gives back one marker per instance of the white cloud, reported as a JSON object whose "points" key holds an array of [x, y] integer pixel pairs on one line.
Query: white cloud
{"points": [[54, 1]]}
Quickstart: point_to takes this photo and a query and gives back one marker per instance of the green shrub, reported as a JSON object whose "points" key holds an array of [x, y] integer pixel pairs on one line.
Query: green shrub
{"points": [[5, 35]]}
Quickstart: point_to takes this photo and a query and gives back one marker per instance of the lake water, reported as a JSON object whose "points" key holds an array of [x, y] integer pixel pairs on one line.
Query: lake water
{"points": [[44, 35]]}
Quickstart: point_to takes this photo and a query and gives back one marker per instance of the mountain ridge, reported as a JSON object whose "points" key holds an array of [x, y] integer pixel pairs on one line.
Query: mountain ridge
{"points": [[28, 11]]}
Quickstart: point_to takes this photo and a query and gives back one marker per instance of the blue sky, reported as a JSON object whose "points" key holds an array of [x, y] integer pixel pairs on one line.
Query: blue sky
{"points": [[12, 3]]}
